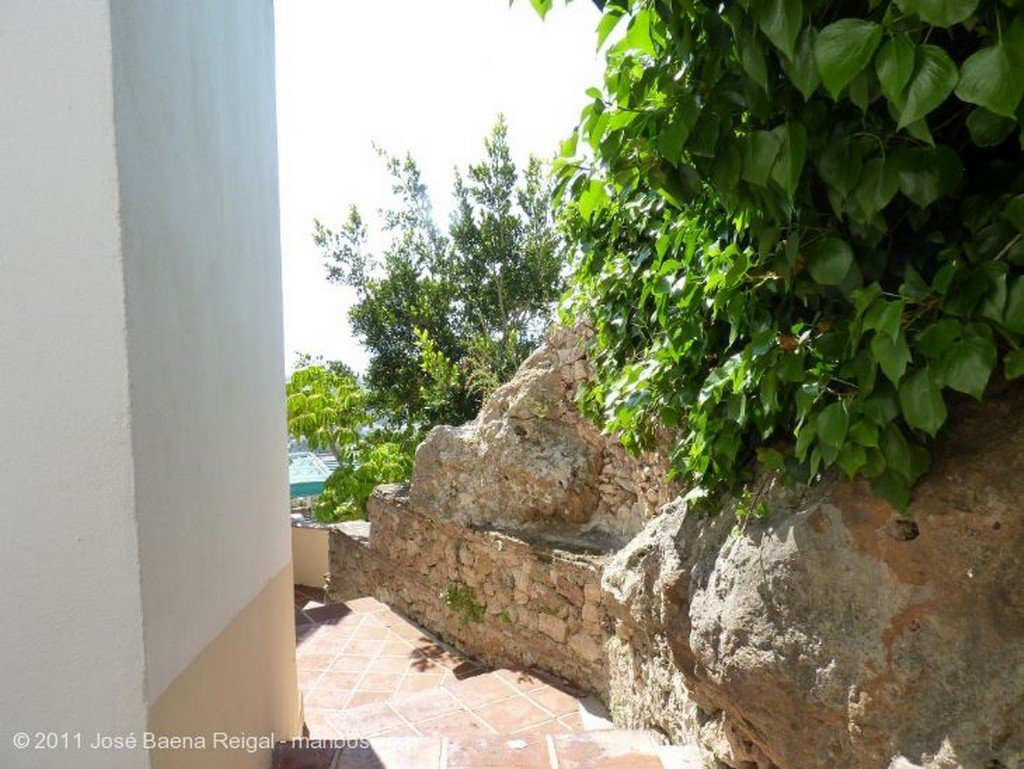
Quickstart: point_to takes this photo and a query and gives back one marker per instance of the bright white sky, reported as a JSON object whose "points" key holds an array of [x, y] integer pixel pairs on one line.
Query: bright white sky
{"points": [[419, 76]]}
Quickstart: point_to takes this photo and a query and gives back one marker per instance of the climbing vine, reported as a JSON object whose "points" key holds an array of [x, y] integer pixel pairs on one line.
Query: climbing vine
{"points": [[799, 227]]}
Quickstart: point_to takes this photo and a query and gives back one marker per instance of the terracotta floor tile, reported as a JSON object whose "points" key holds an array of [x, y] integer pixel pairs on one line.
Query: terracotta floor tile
{"points": [[498, 752], [512, 715], [374, 681], [572, 722], [523, 680], [327, 699], [365, 721], [353, 663], [339, 679], [328, 614], [459, 722], [429, 650], [396, 647], [609, 750], [419, 683], [481, 690], [360, 698], [422, 666], [410, 633], [371, 633], [420, 707], [555, 701], [362, 646], [366, 605], [377, 619], [308, 678], [399, 731], [389, 664], [314, 660], [544, 727]]}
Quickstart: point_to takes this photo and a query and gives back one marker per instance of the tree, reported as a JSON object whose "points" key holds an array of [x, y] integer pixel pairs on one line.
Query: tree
{"points": [[800, 228], [446, 318], [326, 406], [329, 409]]}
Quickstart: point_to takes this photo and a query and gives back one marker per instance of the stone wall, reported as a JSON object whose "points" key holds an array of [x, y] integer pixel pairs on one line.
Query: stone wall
{"points": [[509, 601]]}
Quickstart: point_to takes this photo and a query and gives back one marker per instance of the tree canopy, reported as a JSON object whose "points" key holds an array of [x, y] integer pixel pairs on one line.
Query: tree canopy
{"points": [[448, 317], [800, 228]]}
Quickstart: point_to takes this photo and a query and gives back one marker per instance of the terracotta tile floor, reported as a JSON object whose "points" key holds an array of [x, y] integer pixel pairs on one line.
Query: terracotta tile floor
{"points": [[390, 696], [366, 671]]}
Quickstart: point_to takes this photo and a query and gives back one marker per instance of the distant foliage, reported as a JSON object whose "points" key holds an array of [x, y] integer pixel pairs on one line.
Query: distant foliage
{"points": [[330, 410], [446, 318], [800, 226]]}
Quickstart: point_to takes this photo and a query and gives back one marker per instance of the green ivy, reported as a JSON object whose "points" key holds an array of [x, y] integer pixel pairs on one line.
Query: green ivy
{"points": [[799, 228]]}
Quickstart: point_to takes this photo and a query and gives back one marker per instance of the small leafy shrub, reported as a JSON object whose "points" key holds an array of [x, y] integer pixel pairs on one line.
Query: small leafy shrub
{"points": [[461, 599]]}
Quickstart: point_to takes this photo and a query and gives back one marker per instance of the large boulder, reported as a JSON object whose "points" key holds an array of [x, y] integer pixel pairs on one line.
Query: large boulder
{"points": [[835, 632], [532, 465]]}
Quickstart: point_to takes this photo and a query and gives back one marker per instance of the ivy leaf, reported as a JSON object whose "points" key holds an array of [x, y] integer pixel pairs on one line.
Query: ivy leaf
{"points": [[878, 185], [829, 260], [1013, 315], [1013, 364], [967, 365], [792, 152], [989, 79], [760, 150], [843, 49], [832, 423], [920, 131], [933, 79], [937, 338], [754, 64], [921, 401], [865, 433], [892, 355], [780, 20], [851, 459], [939, 13], [884, 317], [897, 452], [841, 163], [988, 129], [801, 68], [1014, 212], [927, 173], [894, 65]]}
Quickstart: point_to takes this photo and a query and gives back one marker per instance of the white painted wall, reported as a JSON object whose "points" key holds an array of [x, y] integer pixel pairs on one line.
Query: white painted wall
{"points": [[143, 476], [197, 156], [71, 650]]}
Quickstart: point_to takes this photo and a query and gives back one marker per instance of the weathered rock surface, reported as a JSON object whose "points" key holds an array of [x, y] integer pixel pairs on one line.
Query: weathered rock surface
{"points": [[824, 636], [530, 463]]}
